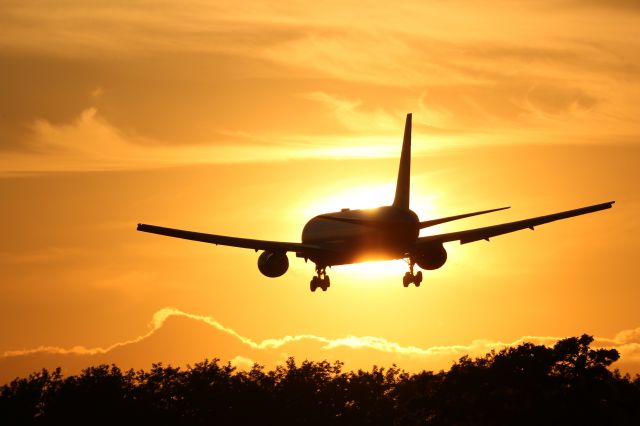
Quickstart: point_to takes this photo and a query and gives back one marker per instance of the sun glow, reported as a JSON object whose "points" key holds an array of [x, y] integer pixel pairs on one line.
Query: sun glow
{"points": [[366, 197], [355, 197], [373, 271]]}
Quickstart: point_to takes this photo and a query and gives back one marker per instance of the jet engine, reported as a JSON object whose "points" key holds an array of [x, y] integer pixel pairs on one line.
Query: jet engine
{"points": [[273, 264], [432, 257]]}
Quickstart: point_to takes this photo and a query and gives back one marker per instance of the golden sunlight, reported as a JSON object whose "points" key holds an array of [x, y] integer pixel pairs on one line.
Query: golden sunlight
{"points": [[361, 197], [366, 197], [368, 272], [249, 119]]}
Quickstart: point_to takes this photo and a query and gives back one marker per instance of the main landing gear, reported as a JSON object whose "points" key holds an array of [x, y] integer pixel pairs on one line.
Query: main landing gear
{"points": [[321, 280], [410, 277]]}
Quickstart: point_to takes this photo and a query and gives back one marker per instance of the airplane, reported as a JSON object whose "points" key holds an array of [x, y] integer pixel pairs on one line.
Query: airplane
{"points": [[383, 233]]}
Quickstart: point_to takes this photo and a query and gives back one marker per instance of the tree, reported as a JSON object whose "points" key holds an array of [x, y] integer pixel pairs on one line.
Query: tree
{"points": [[569, 383]]}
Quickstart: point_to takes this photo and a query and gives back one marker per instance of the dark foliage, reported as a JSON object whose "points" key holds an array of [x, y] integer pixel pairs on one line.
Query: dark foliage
{"points": [[525, 385]]}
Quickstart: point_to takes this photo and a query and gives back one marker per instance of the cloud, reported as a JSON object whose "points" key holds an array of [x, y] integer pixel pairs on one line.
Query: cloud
{"points": [[243, 351], [97, 27], [622, 6], [91, 143], [628, 336], [242, 362], [349, 55], [388, 44], [48, 254], [367, 66], [353, 117]]}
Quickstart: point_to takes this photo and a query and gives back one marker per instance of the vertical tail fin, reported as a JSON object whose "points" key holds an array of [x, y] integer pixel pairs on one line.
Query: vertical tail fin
{"points": [[401, 199]]}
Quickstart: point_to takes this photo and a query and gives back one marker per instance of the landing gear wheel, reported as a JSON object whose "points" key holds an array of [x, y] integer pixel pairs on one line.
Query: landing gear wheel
{"points": [[321, 280], [407, 279], [410, 277], [418, 279], [325, 283]]}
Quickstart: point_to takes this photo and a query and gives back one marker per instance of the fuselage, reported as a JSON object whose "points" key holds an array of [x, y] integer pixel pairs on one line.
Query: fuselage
{"points": [[355, 235]]}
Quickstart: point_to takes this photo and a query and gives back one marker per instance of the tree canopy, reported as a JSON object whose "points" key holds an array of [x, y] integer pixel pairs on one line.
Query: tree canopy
{"points": [[569, 383]]}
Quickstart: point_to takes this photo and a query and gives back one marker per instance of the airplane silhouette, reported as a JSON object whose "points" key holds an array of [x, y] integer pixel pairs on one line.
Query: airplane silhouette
{"points": [[383, 233]]}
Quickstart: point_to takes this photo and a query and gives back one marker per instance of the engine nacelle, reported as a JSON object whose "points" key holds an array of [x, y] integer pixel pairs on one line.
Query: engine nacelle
{"points": [[273, 264], [432, 257]]}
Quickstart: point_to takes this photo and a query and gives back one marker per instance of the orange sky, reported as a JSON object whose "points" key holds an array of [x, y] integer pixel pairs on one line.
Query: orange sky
{"points": [[249, 119]]}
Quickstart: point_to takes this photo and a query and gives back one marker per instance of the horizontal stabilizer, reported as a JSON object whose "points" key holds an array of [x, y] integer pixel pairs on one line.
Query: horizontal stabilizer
{"points": [[428, 223], [471, 235]]}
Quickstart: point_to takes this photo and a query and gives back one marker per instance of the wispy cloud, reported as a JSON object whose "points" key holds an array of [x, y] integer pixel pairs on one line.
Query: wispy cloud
{"points": [[47, 254], [627, 342], [365, 66], [92, 143]]}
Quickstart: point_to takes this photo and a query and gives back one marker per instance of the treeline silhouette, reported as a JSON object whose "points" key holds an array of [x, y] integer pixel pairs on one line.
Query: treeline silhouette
{"points": [[568, 384]]}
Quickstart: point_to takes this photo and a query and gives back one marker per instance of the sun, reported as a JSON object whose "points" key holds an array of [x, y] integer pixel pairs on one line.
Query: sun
{"points": [[379, 271], [364, 197], [361, 197]]}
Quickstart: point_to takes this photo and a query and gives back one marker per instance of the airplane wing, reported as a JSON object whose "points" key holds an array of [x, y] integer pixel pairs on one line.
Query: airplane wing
{"points": [[274, 246], [487, 232]]}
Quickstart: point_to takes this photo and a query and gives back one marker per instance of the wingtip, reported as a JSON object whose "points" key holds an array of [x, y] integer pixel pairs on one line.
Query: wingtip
{"points": [[494, 210]]}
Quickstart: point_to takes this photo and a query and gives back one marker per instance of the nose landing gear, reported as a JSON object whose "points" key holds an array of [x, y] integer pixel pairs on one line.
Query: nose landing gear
{"points": [[410, 277], [321, 280]]}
